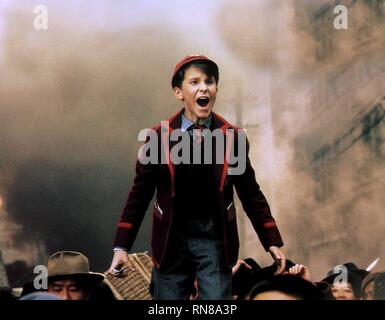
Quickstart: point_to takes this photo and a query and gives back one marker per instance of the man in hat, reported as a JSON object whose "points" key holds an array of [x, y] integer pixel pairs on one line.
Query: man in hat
{"points": [[194, 232], [69, 276]]}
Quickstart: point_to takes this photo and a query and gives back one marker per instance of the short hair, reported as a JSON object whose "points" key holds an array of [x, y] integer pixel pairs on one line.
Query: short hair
{"points": [[207, 66], [379, 287], [368, 280], [290, 285]]}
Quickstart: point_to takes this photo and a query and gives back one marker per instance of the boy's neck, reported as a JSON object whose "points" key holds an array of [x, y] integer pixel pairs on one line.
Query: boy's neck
{"points": [[198, 120]]}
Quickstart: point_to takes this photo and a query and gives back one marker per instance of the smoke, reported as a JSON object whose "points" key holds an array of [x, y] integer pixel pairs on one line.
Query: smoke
{"points": [[9, 230], [72, 101], [333, 163], [297, 36], [326, 89]]}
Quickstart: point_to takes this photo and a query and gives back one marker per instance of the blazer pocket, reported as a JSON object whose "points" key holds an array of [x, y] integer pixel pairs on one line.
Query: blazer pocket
{"points": [[231, 211], [158, 212]]}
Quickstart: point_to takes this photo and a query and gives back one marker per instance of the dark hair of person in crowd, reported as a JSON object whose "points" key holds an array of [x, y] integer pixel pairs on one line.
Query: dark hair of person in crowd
{"points": [[367, 287], [285, 287], [6, 294], [325, 289], [102, 292], [379, 287], [246, 278]]}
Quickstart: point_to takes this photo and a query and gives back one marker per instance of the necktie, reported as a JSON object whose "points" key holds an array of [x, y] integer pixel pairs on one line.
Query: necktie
{"points": [[195, 131]]}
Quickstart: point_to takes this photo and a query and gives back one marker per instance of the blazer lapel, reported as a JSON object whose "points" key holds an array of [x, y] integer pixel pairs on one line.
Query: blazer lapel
{"points": [[221, 169], [172, 123]]}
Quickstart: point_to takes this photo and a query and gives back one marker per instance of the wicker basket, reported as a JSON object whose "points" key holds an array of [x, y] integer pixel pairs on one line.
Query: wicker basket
{"points": [[136, 283]]}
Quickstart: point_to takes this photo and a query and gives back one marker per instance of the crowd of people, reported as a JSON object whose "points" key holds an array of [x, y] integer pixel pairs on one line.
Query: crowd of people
{"points": [[69, 278], [342, 282]]}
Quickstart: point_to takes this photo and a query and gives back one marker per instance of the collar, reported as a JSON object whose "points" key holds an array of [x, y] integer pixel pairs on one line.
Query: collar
{"points": [[187, 123]]}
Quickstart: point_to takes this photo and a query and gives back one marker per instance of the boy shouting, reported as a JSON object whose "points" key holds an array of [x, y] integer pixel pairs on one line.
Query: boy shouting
{"points": [[194, 233]]}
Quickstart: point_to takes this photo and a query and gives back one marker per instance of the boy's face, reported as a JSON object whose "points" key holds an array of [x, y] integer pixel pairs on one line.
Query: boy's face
{"points": [[198, 93]]}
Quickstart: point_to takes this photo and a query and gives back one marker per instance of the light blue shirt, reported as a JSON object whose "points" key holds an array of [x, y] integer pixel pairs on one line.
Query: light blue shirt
{"points": [[187, 123]]}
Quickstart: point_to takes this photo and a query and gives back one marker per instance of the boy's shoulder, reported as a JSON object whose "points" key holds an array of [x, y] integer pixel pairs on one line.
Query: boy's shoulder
{"points": [[223, 123], [165, 124]]}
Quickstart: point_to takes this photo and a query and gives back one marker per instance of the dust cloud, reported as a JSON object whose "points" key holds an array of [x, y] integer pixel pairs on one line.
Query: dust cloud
{"points": [[72, 102], [326, 96]]}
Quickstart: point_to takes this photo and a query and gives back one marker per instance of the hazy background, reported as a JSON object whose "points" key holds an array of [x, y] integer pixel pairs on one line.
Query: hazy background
{"points": [[74, 97]]}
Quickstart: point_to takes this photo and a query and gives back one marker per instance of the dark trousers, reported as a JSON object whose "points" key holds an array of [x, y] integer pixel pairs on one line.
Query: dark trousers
{"points": [[195, 256]]}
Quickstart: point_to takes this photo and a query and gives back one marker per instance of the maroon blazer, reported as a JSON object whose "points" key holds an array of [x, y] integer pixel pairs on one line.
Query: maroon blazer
{"points": [[161, 177]]}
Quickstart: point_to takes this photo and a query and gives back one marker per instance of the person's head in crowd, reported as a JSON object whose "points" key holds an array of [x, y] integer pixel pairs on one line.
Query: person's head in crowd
{"points": [[69, 276], [379, 287], [103, 292], [40, 295], [6, 294], [285, 287], [246, 277], [325, 289], [300, 270], [345, 284], [367, 287]]}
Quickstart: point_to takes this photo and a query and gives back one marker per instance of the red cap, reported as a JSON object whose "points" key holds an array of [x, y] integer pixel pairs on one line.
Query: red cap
{"points": [[187, 59]]}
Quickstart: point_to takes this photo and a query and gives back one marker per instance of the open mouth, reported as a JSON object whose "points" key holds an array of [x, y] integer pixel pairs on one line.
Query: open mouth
{"points": [[203, 101]]}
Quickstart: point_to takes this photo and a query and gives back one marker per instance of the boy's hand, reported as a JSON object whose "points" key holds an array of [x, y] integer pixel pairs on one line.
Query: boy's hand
{"points": [[279, 259], [120, 264]]}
